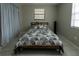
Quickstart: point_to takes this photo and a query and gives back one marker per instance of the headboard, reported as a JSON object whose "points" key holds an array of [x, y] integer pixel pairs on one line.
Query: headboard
{"points": [[39, 23]]}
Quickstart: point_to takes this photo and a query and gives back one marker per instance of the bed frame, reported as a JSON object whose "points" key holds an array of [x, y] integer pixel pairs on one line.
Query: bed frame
{"points": [[59, 48], [19, 49], [39, 23]]}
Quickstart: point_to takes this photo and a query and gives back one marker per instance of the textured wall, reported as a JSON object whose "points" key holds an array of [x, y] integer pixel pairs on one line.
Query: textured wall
{"points": [[64, 23], [28, 14]]}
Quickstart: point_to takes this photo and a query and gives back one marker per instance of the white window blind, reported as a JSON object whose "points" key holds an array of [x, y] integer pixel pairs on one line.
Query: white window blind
{"points": [[39, 13], [75, 15]]}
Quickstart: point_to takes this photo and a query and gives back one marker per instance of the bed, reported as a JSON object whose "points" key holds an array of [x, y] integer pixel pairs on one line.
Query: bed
{"points": [[39, 36]]}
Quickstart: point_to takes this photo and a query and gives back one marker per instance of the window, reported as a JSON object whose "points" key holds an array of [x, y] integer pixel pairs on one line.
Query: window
{"points": [[75, 15], [39, 14]]}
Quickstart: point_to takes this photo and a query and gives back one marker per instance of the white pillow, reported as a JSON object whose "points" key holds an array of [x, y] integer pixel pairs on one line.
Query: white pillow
{"points": [[40, 26], [35, 27]]}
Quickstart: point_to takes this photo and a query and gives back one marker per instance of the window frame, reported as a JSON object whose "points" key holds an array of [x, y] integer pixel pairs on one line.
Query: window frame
{"points": [[73, 18], [38, 14]]}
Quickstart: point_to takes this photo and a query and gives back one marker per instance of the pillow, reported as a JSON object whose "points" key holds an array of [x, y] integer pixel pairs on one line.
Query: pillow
{"points": [[35, 27], [40, 26], [45, 26]]}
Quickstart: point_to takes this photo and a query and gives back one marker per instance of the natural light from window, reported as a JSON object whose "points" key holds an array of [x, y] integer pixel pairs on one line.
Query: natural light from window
{"points": [[75, 15], [38, 13]]}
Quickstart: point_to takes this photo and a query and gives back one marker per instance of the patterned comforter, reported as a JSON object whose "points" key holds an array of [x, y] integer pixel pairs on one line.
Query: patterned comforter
{"points": [[39, 36]]}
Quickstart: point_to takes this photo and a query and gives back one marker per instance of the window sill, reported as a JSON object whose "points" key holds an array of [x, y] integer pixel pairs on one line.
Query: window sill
{"points": [[74, 27]]}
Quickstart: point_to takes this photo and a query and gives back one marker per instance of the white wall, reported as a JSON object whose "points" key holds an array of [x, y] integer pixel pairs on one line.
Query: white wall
{"points": [[28, 13], [64, 23]]}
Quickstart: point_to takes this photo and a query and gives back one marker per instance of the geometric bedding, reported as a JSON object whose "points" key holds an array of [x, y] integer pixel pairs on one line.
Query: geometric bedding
{"points": [[39, 36]]}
